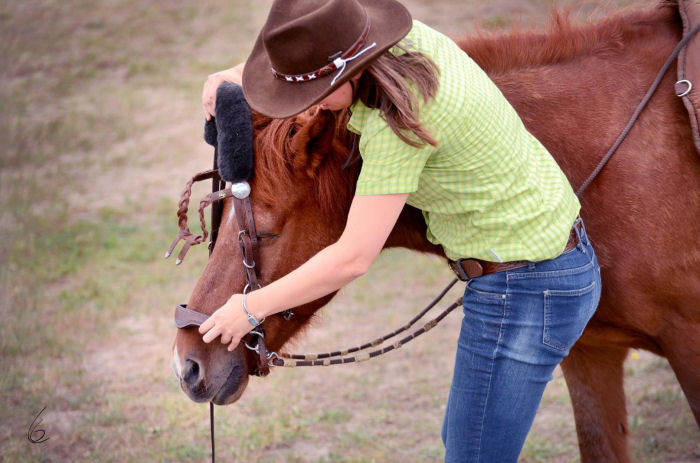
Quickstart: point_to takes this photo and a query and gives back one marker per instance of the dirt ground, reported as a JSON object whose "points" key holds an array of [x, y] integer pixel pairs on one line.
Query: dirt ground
{"points": [[105, 123]]}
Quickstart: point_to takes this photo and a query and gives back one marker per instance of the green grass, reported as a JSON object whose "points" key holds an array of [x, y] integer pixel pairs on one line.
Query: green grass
{"points": [[497, 22]]}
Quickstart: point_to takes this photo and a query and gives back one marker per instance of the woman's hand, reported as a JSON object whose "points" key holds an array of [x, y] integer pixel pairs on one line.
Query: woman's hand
{"points": [[229, 321], [235, 75]]}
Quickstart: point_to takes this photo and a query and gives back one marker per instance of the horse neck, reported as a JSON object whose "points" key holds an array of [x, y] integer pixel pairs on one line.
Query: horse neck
{"points": [[575, 86]]}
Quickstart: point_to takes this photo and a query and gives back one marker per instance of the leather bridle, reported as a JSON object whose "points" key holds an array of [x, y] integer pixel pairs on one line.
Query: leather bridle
{"points": [[248, 242]]}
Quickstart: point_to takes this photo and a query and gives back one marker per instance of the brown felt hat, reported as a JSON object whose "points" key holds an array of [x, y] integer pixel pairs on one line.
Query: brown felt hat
{"points": [[309, 48]]}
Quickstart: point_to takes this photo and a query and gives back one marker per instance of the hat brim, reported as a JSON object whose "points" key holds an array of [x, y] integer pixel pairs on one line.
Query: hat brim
{"points": [[273, 97]]}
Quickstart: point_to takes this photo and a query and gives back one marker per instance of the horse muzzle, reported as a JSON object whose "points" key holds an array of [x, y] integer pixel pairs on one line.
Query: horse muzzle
{"points": [[211, 374]]}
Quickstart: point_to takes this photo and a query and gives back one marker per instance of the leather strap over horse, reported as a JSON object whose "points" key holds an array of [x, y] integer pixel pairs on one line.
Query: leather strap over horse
{"points": [[247, 239]]}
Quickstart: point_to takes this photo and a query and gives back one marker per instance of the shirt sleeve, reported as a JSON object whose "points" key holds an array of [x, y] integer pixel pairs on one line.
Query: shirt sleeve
{"points": [[390, 165]]}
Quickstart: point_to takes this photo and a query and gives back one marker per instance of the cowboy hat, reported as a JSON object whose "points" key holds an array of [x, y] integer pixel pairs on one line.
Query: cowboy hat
{"points": [[309, 48]]}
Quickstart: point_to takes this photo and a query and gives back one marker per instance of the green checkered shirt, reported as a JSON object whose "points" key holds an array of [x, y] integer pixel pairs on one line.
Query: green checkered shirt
{"points": [[490, 190]]}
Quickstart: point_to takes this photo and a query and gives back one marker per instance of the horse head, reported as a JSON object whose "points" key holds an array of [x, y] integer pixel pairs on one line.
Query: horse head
{"points": [[300, 196]]}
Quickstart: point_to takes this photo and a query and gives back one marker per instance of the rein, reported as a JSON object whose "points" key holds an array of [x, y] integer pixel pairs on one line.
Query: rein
{"points": [[638, 111], [318, 359]]}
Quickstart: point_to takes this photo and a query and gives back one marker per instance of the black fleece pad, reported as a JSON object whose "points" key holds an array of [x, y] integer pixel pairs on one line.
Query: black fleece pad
{"points": [[232, 132]]}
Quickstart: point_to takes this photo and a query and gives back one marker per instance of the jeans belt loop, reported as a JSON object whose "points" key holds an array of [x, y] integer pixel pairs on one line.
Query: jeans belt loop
{"points": [[466, 269], [457, 269], [579, 228]]}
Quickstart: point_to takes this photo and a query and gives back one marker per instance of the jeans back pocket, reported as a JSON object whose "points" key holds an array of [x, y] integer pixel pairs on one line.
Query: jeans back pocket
{"points": [[566, 313]]}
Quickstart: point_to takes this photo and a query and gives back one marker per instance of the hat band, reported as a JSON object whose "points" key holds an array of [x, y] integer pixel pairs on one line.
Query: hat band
{"points": [[338, 63]]}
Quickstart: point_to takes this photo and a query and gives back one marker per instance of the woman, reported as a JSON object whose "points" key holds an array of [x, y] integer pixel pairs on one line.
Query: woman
{"points": [[439, 135]]}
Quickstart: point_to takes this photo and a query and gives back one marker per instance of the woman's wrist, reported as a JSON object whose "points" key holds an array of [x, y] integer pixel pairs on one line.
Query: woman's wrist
{"points": [[256, 306]]}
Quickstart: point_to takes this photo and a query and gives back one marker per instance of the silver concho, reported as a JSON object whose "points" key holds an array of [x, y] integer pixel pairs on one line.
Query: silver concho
{"points": [[240, 190]]}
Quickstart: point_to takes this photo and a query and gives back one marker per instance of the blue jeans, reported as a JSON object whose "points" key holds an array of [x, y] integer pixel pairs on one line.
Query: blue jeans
{"points": [[518, 326]]}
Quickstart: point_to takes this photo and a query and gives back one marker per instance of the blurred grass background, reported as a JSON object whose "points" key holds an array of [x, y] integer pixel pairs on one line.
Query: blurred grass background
{"points": [[100, 128]]}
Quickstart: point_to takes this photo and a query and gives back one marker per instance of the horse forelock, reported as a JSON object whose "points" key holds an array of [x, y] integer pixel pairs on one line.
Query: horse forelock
{"points": [[499, 51], [280, 162]]}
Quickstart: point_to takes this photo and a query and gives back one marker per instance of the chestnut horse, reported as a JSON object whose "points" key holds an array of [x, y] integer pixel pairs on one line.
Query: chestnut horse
{"points": [[575, 88]]}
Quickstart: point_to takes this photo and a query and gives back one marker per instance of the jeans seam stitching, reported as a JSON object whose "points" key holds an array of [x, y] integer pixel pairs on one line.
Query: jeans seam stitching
{"points": [[551, 273], [491, 364], [573, 292]]}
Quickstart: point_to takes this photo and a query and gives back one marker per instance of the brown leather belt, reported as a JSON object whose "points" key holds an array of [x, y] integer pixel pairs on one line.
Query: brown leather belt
{"points": [[472, 268]]}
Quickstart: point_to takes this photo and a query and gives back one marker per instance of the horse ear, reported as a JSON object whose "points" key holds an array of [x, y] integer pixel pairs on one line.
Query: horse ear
{"points": [[313, 141]]}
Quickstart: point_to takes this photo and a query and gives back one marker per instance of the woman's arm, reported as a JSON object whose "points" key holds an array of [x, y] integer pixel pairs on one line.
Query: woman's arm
{"points": [[370, 220], [235, 75]]}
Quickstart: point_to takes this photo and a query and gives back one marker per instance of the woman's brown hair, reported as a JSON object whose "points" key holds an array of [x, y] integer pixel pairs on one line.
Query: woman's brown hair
{"points": [[392, 83]]}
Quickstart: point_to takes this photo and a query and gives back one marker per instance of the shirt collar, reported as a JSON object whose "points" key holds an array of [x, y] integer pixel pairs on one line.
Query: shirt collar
{"points": [[358, 117]]}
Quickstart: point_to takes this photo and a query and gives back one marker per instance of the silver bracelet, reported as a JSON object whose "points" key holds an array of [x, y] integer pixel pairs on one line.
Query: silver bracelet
{"points": [[251, 318]]}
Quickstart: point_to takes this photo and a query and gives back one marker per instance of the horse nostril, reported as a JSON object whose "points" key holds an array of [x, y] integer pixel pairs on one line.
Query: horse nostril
{"points": [[190, 373]]}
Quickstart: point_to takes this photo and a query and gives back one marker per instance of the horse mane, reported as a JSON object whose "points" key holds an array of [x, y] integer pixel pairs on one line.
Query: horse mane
{"points": [[498, 51], [313, 144]]}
